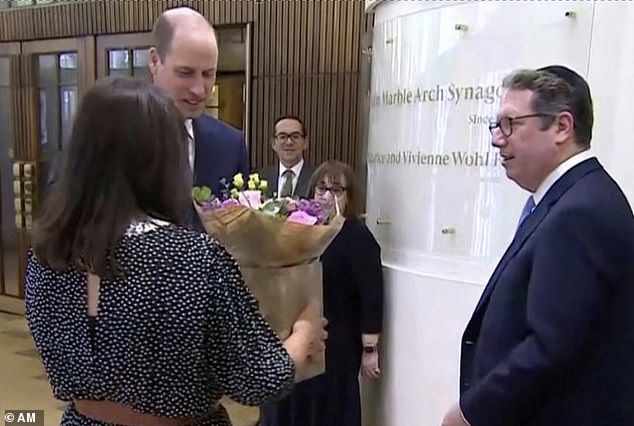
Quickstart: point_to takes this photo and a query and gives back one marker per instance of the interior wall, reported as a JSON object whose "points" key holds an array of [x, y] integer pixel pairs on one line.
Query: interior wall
{"points": [[305, 58]]}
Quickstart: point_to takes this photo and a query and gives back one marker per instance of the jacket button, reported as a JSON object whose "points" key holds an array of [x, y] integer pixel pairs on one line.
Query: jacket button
{"points": [[469, 342], [466, 384]]}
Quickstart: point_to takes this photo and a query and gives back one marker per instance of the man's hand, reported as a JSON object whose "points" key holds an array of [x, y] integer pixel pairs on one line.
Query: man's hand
{"points": [[454, 417]]}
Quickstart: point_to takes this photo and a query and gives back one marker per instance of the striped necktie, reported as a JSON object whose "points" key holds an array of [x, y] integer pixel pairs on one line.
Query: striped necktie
{"points": [[287, 188]]}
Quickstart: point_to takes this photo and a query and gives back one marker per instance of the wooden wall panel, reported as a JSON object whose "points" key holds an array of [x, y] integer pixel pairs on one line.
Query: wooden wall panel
{"points": [[24, 95], [305, 58]]}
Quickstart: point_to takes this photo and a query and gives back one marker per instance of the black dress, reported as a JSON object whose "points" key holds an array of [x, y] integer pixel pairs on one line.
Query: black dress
{"points": [[353, 305], [177, 331]]}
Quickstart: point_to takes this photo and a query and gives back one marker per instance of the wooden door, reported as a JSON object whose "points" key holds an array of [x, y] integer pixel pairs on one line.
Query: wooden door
{"points": [[46, 81]]}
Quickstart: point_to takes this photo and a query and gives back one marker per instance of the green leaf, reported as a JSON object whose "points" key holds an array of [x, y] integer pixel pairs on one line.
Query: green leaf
{"points": [[205, 193], [201, 194], [196, 193]]}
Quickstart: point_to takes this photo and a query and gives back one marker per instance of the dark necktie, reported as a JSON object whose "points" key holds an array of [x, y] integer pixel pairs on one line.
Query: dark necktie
{"points": [[287, 188], [529, 206]]}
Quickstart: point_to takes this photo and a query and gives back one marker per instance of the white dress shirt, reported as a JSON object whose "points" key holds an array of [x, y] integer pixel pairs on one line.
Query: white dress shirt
{"points": [[297, 169], [191, 145], [556, 174]]}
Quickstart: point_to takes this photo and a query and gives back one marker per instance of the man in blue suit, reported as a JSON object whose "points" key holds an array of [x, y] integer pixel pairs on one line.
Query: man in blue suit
{"points": [[183, 62], [551, 341]]}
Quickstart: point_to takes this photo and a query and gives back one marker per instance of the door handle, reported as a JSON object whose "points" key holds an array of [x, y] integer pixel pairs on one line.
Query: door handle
{"points": [[24, 191]]}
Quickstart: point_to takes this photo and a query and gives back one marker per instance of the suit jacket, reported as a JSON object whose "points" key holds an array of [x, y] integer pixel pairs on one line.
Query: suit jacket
{"points": [[272, 173], [551, 341], [220, 152]]}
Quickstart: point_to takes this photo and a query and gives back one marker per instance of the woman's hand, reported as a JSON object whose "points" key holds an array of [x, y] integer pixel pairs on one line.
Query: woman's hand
{"points": [[312, 334], [370, 365], [308, 337], [312, 327]]}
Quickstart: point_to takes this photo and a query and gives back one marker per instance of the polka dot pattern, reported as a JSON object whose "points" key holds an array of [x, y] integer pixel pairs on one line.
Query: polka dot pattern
{"points": [[177, 331]]}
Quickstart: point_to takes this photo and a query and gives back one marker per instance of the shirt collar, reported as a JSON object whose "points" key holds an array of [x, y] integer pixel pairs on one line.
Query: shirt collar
{"points": [[556, 174], [297, 168]]}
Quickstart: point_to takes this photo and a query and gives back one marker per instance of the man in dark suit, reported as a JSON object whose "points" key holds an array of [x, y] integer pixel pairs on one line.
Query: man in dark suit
{"points": [[183, 62], [551, 341], [290, 176]]}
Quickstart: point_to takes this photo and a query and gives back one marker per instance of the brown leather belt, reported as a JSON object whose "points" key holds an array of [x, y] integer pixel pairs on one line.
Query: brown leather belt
{"points": [[113, 412]]}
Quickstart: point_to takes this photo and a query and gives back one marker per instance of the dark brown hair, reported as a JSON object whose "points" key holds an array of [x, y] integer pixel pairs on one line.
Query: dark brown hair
{"points": [[126, 159], [334, 170]]}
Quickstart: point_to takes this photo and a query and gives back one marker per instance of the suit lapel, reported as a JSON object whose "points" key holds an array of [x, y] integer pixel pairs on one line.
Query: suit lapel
{"points": [[273, 177], [534, 219], [522, 234]]}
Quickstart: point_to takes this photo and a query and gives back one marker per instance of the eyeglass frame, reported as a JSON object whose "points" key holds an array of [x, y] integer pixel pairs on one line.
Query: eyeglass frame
{"points": [[322, 188], [498, 124], [295, 136]]}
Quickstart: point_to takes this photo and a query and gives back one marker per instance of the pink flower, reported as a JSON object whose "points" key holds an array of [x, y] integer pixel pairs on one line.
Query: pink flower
{"points": [[291, 205], [252, 199], [301, 218]]}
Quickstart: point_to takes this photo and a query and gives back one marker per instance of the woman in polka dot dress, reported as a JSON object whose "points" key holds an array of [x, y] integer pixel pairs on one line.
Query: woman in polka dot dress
{"points": [[139, 321]]}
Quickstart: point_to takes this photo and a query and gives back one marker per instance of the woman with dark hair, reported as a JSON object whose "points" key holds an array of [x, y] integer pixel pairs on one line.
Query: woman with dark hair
{"points": [[138, 320], [353, 305]]}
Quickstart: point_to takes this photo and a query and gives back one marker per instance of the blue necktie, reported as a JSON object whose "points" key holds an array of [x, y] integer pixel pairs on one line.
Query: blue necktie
{"points": [[527, 210]]}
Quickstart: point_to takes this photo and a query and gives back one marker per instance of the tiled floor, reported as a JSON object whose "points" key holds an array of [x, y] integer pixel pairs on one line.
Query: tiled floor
{"points": [[23, 384]]}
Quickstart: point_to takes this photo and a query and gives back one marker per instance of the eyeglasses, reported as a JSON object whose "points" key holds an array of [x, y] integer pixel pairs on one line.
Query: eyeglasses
{"points": [[505, 124], [334, 189], [283, 137]]}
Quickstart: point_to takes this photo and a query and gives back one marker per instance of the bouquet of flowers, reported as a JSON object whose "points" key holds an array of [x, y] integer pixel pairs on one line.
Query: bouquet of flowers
{"points": [[277, 244]]}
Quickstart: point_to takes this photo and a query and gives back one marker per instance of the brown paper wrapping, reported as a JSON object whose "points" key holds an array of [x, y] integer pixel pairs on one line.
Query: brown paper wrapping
{"points": [[282, 294], [256, 239], [279, 262]]}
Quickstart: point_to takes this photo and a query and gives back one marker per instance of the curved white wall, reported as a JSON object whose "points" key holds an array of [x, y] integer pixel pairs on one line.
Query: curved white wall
{"points": [[443, 221]]}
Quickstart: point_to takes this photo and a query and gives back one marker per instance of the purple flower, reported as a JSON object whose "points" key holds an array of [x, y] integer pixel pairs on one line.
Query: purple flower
{"points": [[212, 204], [313, 208], [229, 202]]}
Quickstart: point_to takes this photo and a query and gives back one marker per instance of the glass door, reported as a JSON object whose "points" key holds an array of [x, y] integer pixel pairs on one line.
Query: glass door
{"points": [[46, 80], [123, 55], [64, 69]]}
